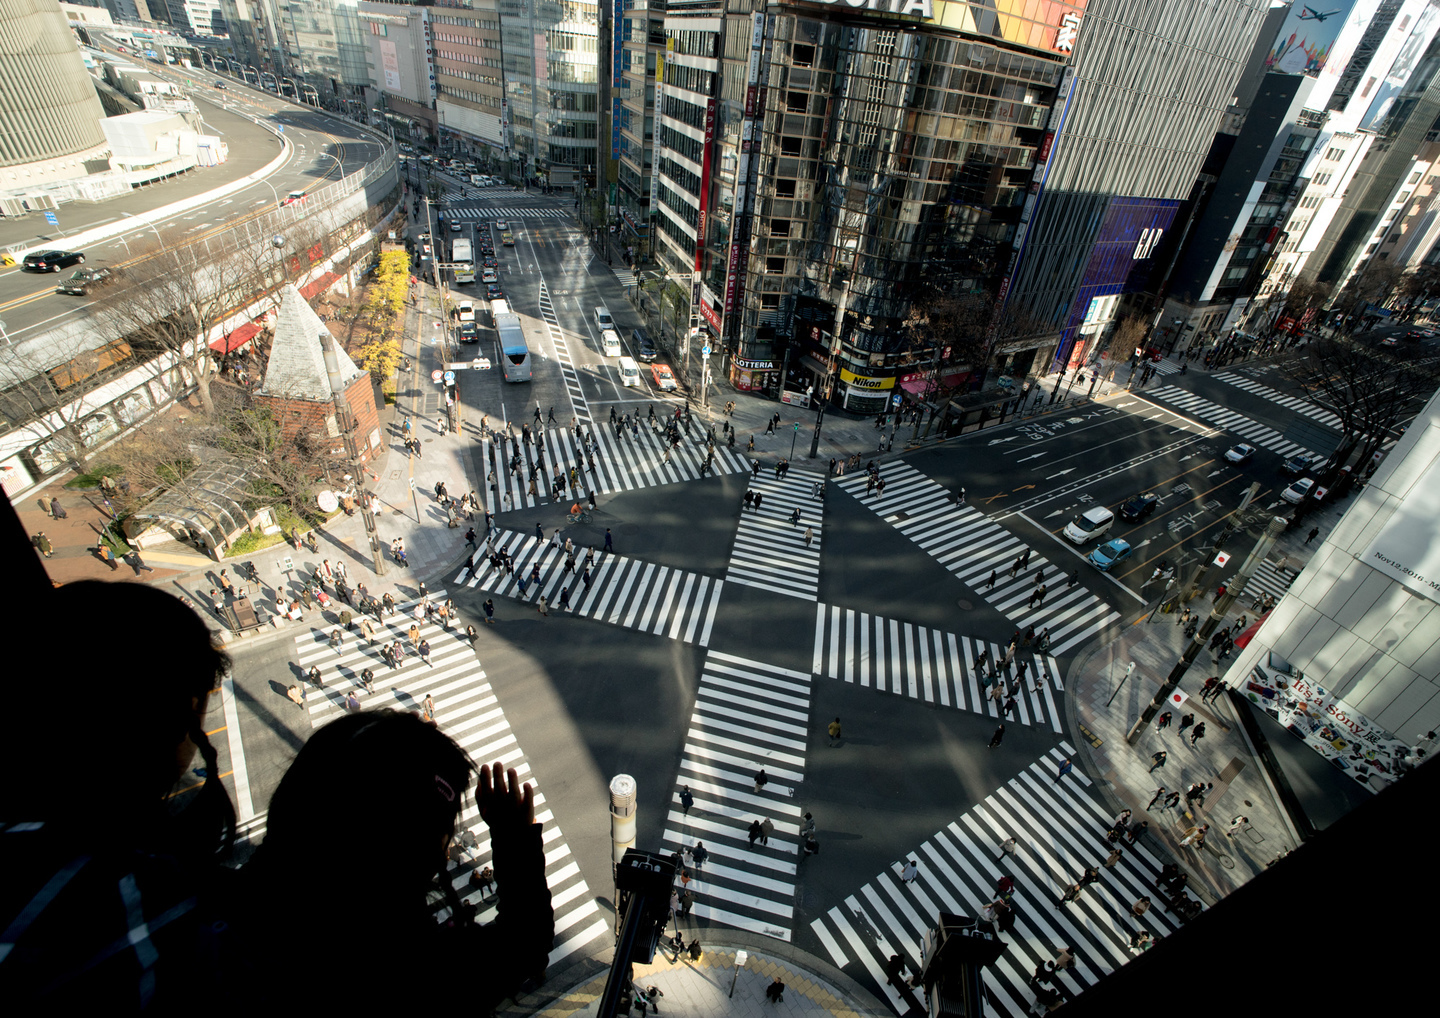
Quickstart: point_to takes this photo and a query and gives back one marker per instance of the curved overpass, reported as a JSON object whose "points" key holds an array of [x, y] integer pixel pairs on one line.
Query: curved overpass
{"points": [[314, 149]]}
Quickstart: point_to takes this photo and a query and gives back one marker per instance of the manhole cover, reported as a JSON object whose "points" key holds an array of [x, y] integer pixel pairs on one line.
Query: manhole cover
{"points": [[965, 605]]}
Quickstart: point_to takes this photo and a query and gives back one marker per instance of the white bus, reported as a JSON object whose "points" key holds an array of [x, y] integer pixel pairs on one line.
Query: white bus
{"points": [[514, 352], [464, 261]]}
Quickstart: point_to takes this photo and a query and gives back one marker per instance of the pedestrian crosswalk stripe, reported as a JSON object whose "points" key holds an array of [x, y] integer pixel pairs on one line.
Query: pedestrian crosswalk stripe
{"points": [[638, 460], [937, 667], [643, 596], [625, 277], [507, 213], [487, 192], [467, 710], [1251, 431], [1060, 829], [748, 715], [1267, 579], [770, 551], [971, 545], [578, 402], [1300, 406]]}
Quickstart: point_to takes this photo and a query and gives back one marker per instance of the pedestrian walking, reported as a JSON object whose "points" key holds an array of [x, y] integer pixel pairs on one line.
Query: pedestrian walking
{"points": [[1007, 847], [993, 574], [1195, 836], [1240, 823], [542, 607], [425, 652], [1163, 721], [1065, 768], [1140, 907], [910, 871], [1015, 566], [760, 779], [999, 735], [833, 730], [1113, 857], [1198, 733], [809, 536], [1158, 760], [1186, 721], [296, 695], [767, 828], [1172, 800], [775, 992], [1314, 533], [1159, 792], [43, 545], [699, 854], [686, 799], [1074, 579], [564, 599], [367, 679], [609, 541], [57, 511], [754, 832], [107, 555]]}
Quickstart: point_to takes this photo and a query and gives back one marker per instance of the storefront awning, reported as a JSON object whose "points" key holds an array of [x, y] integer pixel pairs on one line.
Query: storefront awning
{"points": [[235, 338], [321, 284]]}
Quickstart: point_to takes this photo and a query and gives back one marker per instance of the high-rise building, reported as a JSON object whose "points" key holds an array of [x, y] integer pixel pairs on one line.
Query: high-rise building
{"points": [[470, 101], [1147, 88], [641, 41], [254, 34], [403, 84], [817, 164], [49, 112], [551, 87]]}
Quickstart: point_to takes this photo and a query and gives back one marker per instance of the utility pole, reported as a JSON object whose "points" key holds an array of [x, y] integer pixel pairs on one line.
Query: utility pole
{"points": [[1218, 612], [1198, 580]]}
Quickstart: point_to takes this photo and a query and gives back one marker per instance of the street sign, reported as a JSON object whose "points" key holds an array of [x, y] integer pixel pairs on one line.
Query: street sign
{"points": [[50, 218], [436, 375], [449, 378], [895, 400], [287, 564], [412, 484], [705, 350], [1222, 557]]}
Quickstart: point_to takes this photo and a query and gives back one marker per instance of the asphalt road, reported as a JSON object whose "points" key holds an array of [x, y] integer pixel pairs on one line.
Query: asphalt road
{"points": [[913, 776], [321, 146]]}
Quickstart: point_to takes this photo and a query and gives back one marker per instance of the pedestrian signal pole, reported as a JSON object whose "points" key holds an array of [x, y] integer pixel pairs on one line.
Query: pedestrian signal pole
{"points": [[794, 435], [1218, 612], [815, 438]]}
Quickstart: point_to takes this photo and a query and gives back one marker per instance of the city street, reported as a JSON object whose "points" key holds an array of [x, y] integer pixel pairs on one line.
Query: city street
{"points": [[715, 642]]}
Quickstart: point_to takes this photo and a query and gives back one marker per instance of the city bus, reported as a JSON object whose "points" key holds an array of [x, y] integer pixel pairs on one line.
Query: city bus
{"points": [[463, 260], [514, 353]]}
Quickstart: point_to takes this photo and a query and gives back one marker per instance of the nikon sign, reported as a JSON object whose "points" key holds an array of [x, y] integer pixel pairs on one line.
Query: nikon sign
{"points": [[917, 8]]}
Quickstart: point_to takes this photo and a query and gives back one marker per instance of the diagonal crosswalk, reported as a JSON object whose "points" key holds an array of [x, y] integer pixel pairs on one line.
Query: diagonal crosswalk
{"points": [[748, 715], [770, 550], [1301, 406], [973, 547], [506, 212], [627, 592], [562, 355], [639, 459], [937, 667], [1059, 827], [1214, 413], [466, 709]]}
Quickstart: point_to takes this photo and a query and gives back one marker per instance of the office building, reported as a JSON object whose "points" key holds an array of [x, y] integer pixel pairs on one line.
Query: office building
{"points": [[551, 88]]}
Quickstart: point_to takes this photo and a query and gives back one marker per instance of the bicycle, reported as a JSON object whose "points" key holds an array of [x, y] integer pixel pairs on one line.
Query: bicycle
{"points": [[581, 517]]}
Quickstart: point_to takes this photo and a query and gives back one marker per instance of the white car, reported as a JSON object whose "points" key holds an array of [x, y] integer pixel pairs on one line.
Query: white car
{"points": [[502, 225], [455, 227], [1295, 494], [1242, 453], [489, 276], [467, 310]]}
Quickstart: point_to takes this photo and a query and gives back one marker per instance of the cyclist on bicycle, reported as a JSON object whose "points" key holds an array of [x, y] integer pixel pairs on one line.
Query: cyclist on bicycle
{"points": [[575, 509]]}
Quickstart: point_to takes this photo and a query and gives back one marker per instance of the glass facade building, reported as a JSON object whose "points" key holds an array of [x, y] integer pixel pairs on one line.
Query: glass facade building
{"points": [[551, 86], [815, 163]]}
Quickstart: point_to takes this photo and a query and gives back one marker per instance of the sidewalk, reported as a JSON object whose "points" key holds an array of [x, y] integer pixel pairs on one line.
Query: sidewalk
{"points": [[703, 989], [1103, 705]]}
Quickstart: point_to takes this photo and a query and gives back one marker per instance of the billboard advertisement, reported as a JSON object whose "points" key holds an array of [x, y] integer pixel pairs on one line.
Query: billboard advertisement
{"points": [[1307, 38], [1049, 25], [1399, 73], [1122, 257]]}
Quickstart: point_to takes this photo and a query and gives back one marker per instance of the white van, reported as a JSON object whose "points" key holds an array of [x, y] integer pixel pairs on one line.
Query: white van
{"points": [[629, 371], [610, 343], [1091, 525], [467, 311], [603, 319]]}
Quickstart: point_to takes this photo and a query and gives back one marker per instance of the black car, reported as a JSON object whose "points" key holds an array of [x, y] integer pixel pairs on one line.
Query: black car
{"points": [[468, 333], [493, 292], [53, 261], [646, 348], [84, 280], [1138, 507], [1303, 463]]}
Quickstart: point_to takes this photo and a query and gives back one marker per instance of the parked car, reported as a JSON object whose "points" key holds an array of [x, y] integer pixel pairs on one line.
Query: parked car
{"points": [[1296, 493], [1138, 507], [1300, 464], [1242, 453], [84, 280], [1110, 554], [53, 261]]}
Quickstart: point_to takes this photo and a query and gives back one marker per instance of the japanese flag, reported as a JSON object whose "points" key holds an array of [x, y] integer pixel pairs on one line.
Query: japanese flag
{"points": [[1177, 698]]}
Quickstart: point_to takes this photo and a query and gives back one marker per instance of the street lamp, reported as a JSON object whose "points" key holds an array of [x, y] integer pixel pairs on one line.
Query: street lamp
{"points": [[131, 215]]}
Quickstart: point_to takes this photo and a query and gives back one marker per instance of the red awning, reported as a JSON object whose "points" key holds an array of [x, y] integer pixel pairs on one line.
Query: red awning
{"points": [[319, 286], [915, 386], [235, 338]]}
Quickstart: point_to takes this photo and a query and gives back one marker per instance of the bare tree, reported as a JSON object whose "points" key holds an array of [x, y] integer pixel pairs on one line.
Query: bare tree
{"points": [[1371, 394]]}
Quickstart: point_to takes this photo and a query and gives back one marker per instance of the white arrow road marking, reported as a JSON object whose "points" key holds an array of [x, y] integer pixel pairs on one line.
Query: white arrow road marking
{"points": [[1035, 457], [1068, 470]]}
